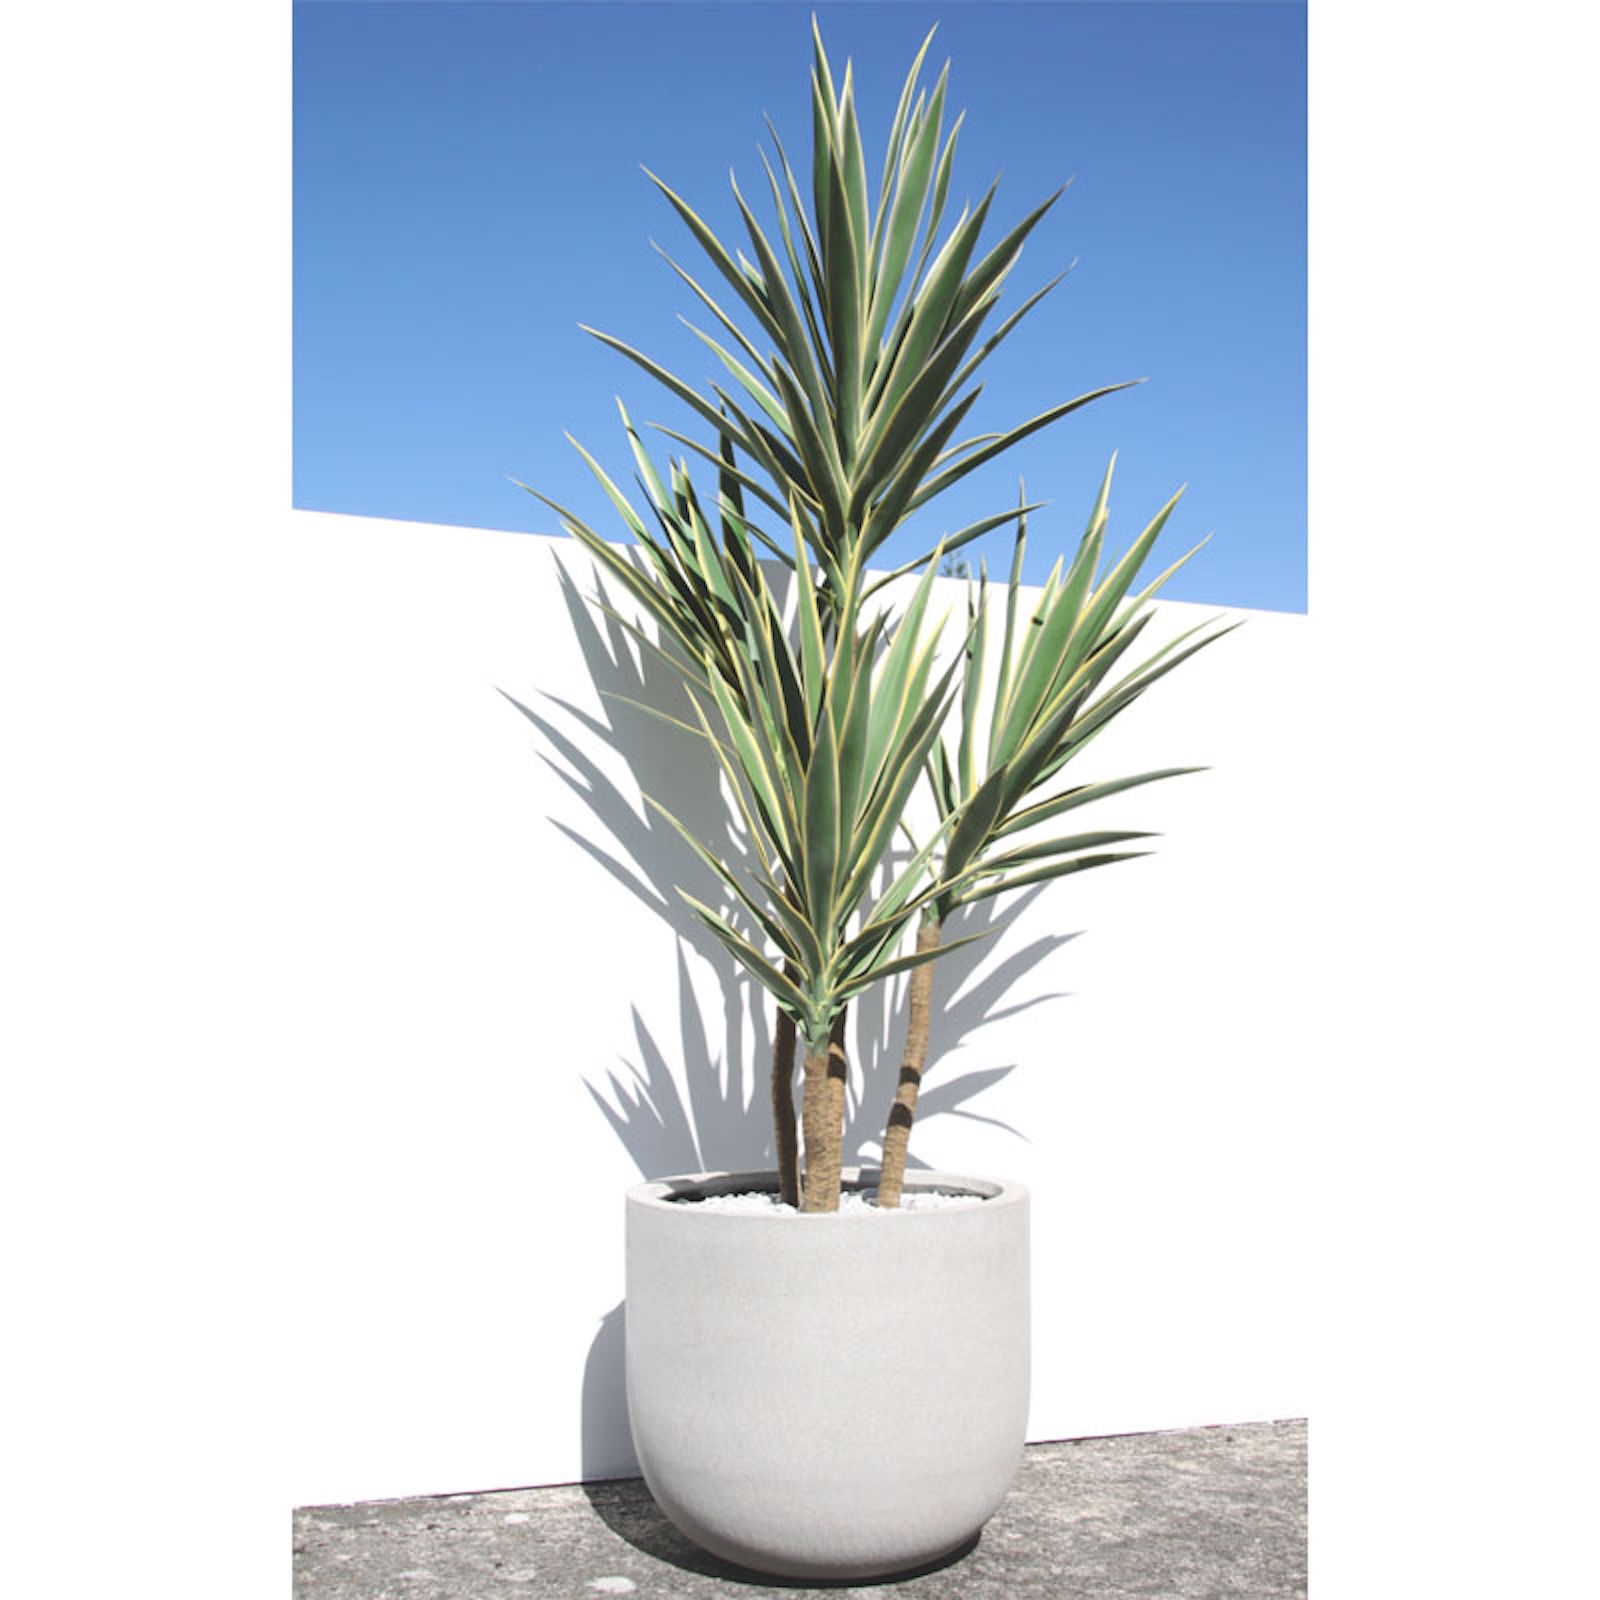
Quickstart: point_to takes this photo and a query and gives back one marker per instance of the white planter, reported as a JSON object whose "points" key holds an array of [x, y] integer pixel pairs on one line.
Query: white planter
{"points": [[835, 1396]]}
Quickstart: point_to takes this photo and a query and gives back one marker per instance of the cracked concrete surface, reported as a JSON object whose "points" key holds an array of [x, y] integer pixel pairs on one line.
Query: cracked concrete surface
{"points": [[1203, 1514]]}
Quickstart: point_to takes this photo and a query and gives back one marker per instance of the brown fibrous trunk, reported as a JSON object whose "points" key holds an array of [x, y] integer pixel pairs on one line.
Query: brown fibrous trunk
{"points": [[913, 1061], [822, 1114], [783, 1122]]}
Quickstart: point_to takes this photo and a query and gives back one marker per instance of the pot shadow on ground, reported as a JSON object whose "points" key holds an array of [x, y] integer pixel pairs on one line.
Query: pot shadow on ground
{"points": [[703, 1104], [627, 1509]]}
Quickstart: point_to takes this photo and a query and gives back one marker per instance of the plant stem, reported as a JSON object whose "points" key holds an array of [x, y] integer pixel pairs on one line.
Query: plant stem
{"points": [[783, 1121], [822, 1113], [913, 1060]]}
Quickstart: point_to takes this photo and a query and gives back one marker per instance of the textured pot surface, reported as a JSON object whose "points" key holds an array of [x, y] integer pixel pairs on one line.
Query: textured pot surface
{"points": [[834, 1396]]}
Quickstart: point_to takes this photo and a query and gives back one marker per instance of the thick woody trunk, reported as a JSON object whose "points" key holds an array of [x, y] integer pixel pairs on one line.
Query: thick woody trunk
{"points": [[914, 1058], [822, 1116], [783, 1123]]}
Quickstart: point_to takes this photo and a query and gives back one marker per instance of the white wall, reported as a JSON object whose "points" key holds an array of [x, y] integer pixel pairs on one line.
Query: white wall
{"points": [[458, 989]]}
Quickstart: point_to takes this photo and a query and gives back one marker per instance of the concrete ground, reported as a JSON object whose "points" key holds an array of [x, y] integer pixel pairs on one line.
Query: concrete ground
{"points": [[1209, 1513]]}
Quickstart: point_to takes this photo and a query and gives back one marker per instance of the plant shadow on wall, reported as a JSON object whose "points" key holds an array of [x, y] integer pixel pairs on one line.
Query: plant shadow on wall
{"points": [[689, 1107], [701, 1117]]}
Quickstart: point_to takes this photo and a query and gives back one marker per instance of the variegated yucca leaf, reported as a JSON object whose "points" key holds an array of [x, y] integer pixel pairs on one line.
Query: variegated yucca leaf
{"points": [[850, 341], [821, 744], [821, 730], [684, 585], [1052, 692]]}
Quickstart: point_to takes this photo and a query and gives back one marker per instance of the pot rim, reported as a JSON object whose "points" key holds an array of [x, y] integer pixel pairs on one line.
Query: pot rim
{"points": [[662, 1194]]}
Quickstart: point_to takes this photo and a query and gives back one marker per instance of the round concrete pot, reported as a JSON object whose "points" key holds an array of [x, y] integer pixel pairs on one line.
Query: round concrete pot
{"points": [[840, 1396]]}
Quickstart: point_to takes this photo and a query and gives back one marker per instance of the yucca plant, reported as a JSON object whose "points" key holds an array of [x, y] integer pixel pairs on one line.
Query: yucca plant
{"points": [[822, 738], [821, 749], [844, 425], [843, 430], [1051, 695]]}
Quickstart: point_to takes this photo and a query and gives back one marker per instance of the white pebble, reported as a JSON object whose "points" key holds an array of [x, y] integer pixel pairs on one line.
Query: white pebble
{"points": [[613, 1585], [516, 1516], [853, 1202]]}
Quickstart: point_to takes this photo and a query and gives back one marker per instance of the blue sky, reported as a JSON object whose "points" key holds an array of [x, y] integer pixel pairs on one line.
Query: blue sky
{"points": [[467, 190]]}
